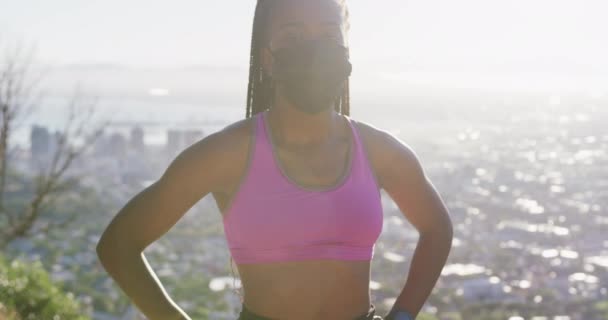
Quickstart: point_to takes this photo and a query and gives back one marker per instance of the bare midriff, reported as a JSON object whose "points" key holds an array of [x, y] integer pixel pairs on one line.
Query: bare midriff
{"points": [[314, 289]]}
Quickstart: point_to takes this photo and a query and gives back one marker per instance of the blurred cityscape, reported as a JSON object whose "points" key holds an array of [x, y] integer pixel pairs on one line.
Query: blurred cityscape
{"points": [[525, 179]]}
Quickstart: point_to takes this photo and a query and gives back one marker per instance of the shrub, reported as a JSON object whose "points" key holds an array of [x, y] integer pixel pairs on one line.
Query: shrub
{"points": [[27, 292]]}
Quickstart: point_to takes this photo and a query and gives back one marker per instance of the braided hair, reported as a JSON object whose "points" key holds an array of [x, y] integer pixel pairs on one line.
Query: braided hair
{"points": [[260, 90]]}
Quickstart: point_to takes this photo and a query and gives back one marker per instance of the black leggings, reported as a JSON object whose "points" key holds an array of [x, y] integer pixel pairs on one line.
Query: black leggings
{"points": [[246, 314]]}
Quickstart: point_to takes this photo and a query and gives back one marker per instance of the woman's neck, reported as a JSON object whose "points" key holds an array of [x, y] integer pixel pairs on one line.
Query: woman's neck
{"points": [[294, 128]]}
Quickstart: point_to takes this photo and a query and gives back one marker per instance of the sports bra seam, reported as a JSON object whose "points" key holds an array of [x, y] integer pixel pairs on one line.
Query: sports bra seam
{"points": [[368, 161], [362, 246]]}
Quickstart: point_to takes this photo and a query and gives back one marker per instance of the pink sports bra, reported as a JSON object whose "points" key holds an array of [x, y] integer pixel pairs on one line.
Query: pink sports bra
{"points": [[271, 218]]}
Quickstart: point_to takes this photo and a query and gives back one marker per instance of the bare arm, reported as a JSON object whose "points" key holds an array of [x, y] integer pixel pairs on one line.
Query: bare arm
{"points": [[149, 215], [403, 178]]}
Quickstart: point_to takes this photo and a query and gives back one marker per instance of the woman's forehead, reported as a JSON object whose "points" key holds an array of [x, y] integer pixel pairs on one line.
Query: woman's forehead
{"points": [[292, 12]]}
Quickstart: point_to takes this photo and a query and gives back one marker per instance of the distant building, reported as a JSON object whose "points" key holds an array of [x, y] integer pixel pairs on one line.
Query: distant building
{"points": [[40, 142], [174, 141], [137, 139], [117, 145]]}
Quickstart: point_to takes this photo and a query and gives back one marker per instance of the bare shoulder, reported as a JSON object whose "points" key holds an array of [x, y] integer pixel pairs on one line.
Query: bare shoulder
{"points": [[235, 135], [218, 157], [390, 156]]}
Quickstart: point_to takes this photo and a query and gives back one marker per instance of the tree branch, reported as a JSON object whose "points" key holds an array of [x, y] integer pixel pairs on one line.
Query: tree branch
{"points": [[19, 95]]}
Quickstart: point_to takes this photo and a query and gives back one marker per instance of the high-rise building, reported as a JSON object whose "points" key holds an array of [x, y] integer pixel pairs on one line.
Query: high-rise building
{"points": [[137, 139], [117, 145], [174, 140], [40, 142]]}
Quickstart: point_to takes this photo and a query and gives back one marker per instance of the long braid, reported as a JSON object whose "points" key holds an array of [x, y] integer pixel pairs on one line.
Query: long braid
{"points": [[343, 102], [259, 90]]}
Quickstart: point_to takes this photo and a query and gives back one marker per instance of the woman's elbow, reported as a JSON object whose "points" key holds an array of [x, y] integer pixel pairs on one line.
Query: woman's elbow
{"points": [[111, 248], [105, 250], [441, 230]]}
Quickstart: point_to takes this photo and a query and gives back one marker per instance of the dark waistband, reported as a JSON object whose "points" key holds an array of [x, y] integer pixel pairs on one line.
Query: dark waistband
{"points": [[247, 314]]}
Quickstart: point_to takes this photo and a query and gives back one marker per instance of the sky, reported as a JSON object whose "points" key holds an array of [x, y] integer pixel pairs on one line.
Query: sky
{"points": [[539, 43]]}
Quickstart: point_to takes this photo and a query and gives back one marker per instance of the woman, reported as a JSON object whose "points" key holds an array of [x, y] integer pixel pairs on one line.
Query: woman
{"points": [[297, 183]]}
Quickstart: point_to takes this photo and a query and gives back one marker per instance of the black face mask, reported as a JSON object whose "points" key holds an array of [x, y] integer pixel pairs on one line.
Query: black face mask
{"points": [[311, 73]]}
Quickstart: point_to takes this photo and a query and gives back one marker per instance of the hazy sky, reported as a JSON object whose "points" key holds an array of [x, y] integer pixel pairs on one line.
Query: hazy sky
{"points": [[399, 39]]}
